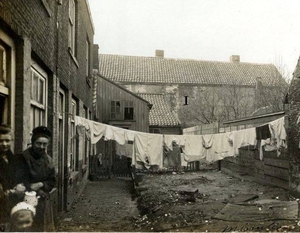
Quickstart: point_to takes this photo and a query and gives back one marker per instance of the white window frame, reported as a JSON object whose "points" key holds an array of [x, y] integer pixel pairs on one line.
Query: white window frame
{"points": [[9, 90], [115, 110], [36, 106]]}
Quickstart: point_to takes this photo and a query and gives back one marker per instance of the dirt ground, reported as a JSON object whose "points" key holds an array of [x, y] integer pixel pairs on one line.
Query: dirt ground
{"points": [[190, 202], [172, 202]]}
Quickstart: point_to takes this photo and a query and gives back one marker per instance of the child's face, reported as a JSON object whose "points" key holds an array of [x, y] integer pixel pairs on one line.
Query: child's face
{"points": [[22, 220], [5, 142]]}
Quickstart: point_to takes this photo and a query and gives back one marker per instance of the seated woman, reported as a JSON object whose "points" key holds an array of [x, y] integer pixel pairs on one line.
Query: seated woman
{"points": [[37, 173]]}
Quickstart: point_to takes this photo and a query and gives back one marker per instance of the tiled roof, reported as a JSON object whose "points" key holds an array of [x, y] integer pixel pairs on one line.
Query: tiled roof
{"points": [[160, 113], [121, 68]]}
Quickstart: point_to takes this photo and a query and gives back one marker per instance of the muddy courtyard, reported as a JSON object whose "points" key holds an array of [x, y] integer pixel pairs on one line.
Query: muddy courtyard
{"points": [[204, 201]]}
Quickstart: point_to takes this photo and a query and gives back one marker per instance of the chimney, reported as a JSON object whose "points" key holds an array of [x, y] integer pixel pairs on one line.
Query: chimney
{"points": [[159, 53], [235, 58]]}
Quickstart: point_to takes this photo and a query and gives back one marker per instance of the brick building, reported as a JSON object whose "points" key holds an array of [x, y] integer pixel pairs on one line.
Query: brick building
{"points": [[46, 69], [47, 77]]}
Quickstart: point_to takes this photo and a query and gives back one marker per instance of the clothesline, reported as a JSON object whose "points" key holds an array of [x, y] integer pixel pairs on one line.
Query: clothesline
{"points": [[147, 148]]}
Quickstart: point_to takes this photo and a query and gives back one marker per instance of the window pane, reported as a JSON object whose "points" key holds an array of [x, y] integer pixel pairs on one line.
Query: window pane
{"points": [[41, 92], [118, 109]]}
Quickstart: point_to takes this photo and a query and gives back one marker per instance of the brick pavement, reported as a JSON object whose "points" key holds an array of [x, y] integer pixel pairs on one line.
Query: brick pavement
{"points": [[104, 205]]}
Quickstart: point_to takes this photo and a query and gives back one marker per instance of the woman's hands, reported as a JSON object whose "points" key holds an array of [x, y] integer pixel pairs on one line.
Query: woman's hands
{"points": [[36, 186], [19, 189]]}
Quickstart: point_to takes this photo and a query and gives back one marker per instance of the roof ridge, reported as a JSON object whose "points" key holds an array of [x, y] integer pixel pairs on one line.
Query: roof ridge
{"points": [[186, 59]]}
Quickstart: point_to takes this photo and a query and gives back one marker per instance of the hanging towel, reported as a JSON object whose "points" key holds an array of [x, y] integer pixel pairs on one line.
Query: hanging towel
{"points": [[193, 149], [148, 149], [221, 147], [263, 132]]}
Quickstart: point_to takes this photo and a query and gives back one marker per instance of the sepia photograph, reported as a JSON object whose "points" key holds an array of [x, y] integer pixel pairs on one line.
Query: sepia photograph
{"points": [[149, 116]]}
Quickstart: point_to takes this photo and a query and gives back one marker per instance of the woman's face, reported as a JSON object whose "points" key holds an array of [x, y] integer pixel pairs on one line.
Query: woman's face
{"points": [[5, 142], [40, 145]]}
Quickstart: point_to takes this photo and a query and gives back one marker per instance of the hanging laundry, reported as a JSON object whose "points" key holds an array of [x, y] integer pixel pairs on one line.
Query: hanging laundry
{"points": [[207, 142], [221, 147], [169, 138], [124, 150], [263, 132], [129, 135], [115, 133], [193, 148], [241, 138], [97, 131], [148, 149], [80, 121], [173, 157], [277, 142]]}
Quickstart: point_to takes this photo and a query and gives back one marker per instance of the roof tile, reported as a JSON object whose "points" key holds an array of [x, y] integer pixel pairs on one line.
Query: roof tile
{"points": [[160, 114], [121, 68]]}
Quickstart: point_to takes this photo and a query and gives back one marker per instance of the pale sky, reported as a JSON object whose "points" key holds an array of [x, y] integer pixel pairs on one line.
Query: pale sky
{"points": [[260, 31]]}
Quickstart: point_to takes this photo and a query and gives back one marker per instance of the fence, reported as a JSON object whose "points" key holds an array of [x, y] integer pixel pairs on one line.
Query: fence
{"points": [[272, 169]]}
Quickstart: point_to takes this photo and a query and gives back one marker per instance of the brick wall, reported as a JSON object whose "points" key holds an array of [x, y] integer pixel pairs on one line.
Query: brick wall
{"points": [[39, 30]]}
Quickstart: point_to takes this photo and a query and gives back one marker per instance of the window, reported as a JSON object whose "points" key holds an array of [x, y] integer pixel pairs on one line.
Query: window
{"points": [[73, 159], [38, 100], [115, 109], [72, 25], [7, 81], [128, 110]]}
